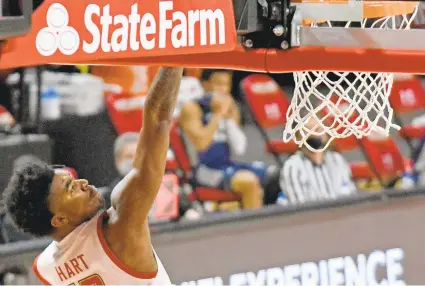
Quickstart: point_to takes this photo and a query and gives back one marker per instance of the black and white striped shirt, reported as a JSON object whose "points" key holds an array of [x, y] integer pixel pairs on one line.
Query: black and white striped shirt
{"points": [[302, 181]]}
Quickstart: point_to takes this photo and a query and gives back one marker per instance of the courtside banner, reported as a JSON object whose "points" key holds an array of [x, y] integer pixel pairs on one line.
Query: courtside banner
{"points": [[77, 31], [377, 243], [371, 243]]}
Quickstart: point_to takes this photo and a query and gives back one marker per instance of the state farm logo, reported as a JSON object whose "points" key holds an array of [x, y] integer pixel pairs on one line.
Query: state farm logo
{"points": [[57, 35], [164, 28]]}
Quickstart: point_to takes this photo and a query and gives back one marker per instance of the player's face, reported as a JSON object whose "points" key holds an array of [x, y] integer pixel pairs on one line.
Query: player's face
{"points": [[220, 82], [72, 201]]}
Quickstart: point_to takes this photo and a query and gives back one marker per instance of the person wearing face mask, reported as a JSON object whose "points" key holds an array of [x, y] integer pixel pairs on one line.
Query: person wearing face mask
{"points": [[125, 148], [314, 176]]}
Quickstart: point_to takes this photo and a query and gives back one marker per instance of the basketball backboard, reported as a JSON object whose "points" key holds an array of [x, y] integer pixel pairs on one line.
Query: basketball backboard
{"points": [[379, 25]]}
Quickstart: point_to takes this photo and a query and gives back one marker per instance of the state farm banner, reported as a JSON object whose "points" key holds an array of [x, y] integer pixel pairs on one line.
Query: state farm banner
{"points": [[79, 31], [372, 243]]}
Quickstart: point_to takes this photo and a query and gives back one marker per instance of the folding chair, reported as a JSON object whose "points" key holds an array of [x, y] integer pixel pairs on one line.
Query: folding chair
{"points": [[171, 164], [268, 105], [126, 112], [386, 160], [359, 170], [200, 193], [408, 96]]}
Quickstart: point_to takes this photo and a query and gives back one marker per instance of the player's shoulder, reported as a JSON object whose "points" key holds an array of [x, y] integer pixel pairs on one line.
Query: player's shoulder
{"points": [[83, 239], [47, 256], [42, 264], [76, 238]]}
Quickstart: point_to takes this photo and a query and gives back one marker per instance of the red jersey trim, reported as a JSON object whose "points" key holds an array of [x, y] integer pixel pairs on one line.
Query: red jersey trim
{"points": [[114, 258], [37, 273]]}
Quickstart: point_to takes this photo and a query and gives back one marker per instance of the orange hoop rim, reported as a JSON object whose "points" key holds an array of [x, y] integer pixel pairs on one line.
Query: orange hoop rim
{"points": [[379, 9]]}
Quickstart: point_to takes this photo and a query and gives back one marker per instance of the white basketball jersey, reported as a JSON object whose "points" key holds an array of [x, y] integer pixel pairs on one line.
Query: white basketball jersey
{"points": [[84, 258]]}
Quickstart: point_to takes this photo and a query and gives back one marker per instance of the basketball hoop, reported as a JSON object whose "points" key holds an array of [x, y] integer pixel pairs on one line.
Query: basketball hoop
{"points": [[359, 95]]}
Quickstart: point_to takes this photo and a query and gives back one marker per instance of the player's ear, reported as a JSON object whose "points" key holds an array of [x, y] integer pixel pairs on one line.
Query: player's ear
{"points": [[58, 221]]}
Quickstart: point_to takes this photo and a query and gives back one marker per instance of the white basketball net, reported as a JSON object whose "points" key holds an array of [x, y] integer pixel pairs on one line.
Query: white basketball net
{"points": [[360, 99]]}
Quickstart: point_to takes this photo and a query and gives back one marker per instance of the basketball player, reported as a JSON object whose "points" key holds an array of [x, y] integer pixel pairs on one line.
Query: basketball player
{"points": [[90, 247]]}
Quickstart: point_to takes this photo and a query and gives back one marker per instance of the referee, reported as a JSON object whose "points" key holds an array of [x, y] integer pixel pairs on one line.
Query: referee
{"points": [[314, 176]]}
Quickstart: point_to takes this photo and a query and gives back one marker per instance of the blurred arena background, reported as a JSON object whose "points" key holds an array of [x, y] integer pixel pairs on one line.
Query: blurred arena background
{"points": [[378, 219], [306, 231]]}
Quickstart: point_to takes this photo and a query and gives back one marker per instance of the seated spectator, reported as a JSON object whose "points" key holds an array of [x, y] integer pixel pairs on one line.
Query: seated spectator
{"points": [[211, 127], [314, 176], [124, 152], [190, 89]]}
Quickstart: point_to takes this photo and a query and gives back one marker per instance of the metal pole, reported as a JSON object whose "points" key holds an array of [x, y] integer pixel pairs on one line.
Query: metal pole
{"points": [[38, 72]]}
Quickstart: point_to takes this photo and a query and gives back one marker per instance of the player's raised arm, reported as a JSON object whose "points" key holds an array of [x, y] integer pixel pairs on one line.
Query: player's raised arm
{"points": [[140, 187]]}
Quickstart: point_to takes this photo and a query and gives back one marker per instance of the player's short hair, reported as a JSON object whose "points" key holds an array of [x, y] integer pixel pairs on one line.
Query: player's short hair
{"points": [[26, 198], [124, 139], [207, 73]]}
